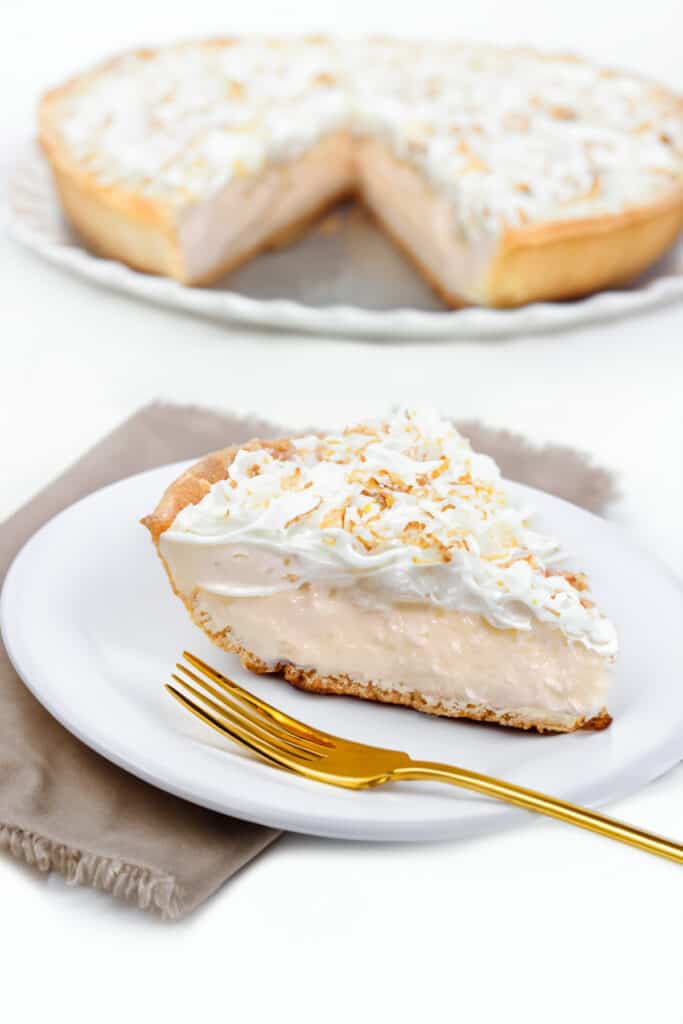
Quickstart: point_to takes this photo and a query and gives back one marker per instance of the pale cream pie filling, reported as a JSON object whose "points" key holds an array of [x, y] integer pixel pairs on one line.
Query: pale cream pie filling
{"points": [[388, 561]]}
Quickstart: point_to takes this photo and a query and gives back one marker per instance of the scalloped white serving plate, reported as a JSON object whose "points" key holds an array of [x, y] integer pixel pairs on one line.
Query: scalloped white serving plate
{"points": [[93, 629], [343, 278]]}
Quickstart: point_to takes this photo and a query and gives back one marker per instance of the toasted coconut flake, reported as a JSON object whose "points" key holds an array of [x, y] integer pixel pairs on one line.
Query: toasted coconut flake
{"points": [[578, 580], [302, 515], [288, 483], [561, 113], [334, 519]]}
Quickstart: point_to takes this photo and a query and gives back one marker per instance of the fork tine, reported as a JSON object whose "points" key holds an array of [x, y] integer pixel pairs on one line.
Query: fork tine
{"points": [[223, 729], [255, 734], [259, 721], [300, 728]]}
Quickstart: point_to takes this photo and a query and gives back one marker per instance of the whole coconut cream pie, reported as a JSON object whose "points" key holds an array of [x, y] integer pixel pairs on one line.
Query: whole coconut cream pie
{"points": [[387, 562], [507, 176]]}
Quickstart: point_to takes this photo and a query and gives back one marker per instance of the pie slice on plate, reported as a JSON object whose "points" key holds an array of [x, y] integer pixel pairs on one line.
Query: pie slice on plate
{"points": [[387, 562]]}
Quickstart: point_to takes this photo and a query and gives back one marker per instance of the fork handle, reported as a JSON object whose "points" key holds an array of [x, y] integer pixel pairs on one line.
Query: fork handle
{"points": [[531, 800]]}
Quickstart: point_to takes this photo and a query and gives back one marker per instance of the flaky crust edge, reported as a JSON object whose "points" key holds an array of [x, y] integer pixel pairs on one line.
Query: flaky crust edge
{"points": [[546, 261], [118, 223], [189, 488]]}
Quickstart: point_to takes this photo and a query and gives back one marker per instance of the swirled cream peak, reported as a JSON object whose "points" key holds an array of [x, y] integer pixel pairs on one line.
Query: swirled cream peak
{"points": [[399, 509]]}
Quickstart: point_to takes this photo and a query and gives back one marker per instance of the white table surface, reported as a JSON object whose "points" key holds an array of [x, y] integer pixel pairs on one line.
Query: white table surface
{"points": [[540, 923]]}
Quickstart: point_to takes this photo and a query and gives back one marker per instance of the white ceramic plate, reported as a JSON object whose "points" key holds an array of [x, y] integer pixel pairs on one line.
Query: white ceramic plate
{"points": [[93, 629], [347, 281]]}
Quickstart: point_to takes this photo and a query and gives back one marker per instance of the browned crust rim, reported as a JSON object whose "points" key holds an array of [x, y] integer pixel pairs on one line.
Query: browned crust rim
{"points": [[191, 486], [657, 223], [130, 203]]}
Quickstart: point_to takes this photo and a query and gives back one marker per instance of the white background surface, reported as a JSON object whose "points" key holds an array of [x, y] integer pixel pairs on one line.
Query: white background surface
{"points": [[540, 923]]}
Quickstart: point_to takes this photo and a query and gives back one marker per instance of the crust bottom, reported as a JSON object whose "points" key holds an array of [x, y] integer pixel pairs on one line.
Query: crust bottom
{"points": [[343, 685]]}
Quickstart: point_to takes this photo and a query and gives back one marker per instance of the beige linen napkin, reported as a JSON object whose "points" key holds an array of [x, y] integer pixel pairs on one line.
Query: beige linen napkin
{"points": [[65, 808]]}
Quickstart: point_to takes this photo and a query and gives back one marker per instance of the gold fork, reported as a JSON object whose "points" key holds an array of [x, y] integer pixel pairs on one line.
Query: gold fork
{"points": [[288, 743]]}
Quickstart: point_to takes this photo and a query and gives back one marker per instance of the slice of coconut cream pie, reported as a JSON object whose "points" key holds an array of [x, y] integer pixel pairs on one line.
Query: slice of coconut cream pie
{"points": [[386, 562]]}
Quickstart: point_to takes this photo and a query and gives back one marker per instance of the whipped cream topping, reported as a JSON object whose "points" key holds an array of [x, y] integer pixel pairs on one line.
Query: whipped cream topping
{"points": [[393, 510], [510, 136]]}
